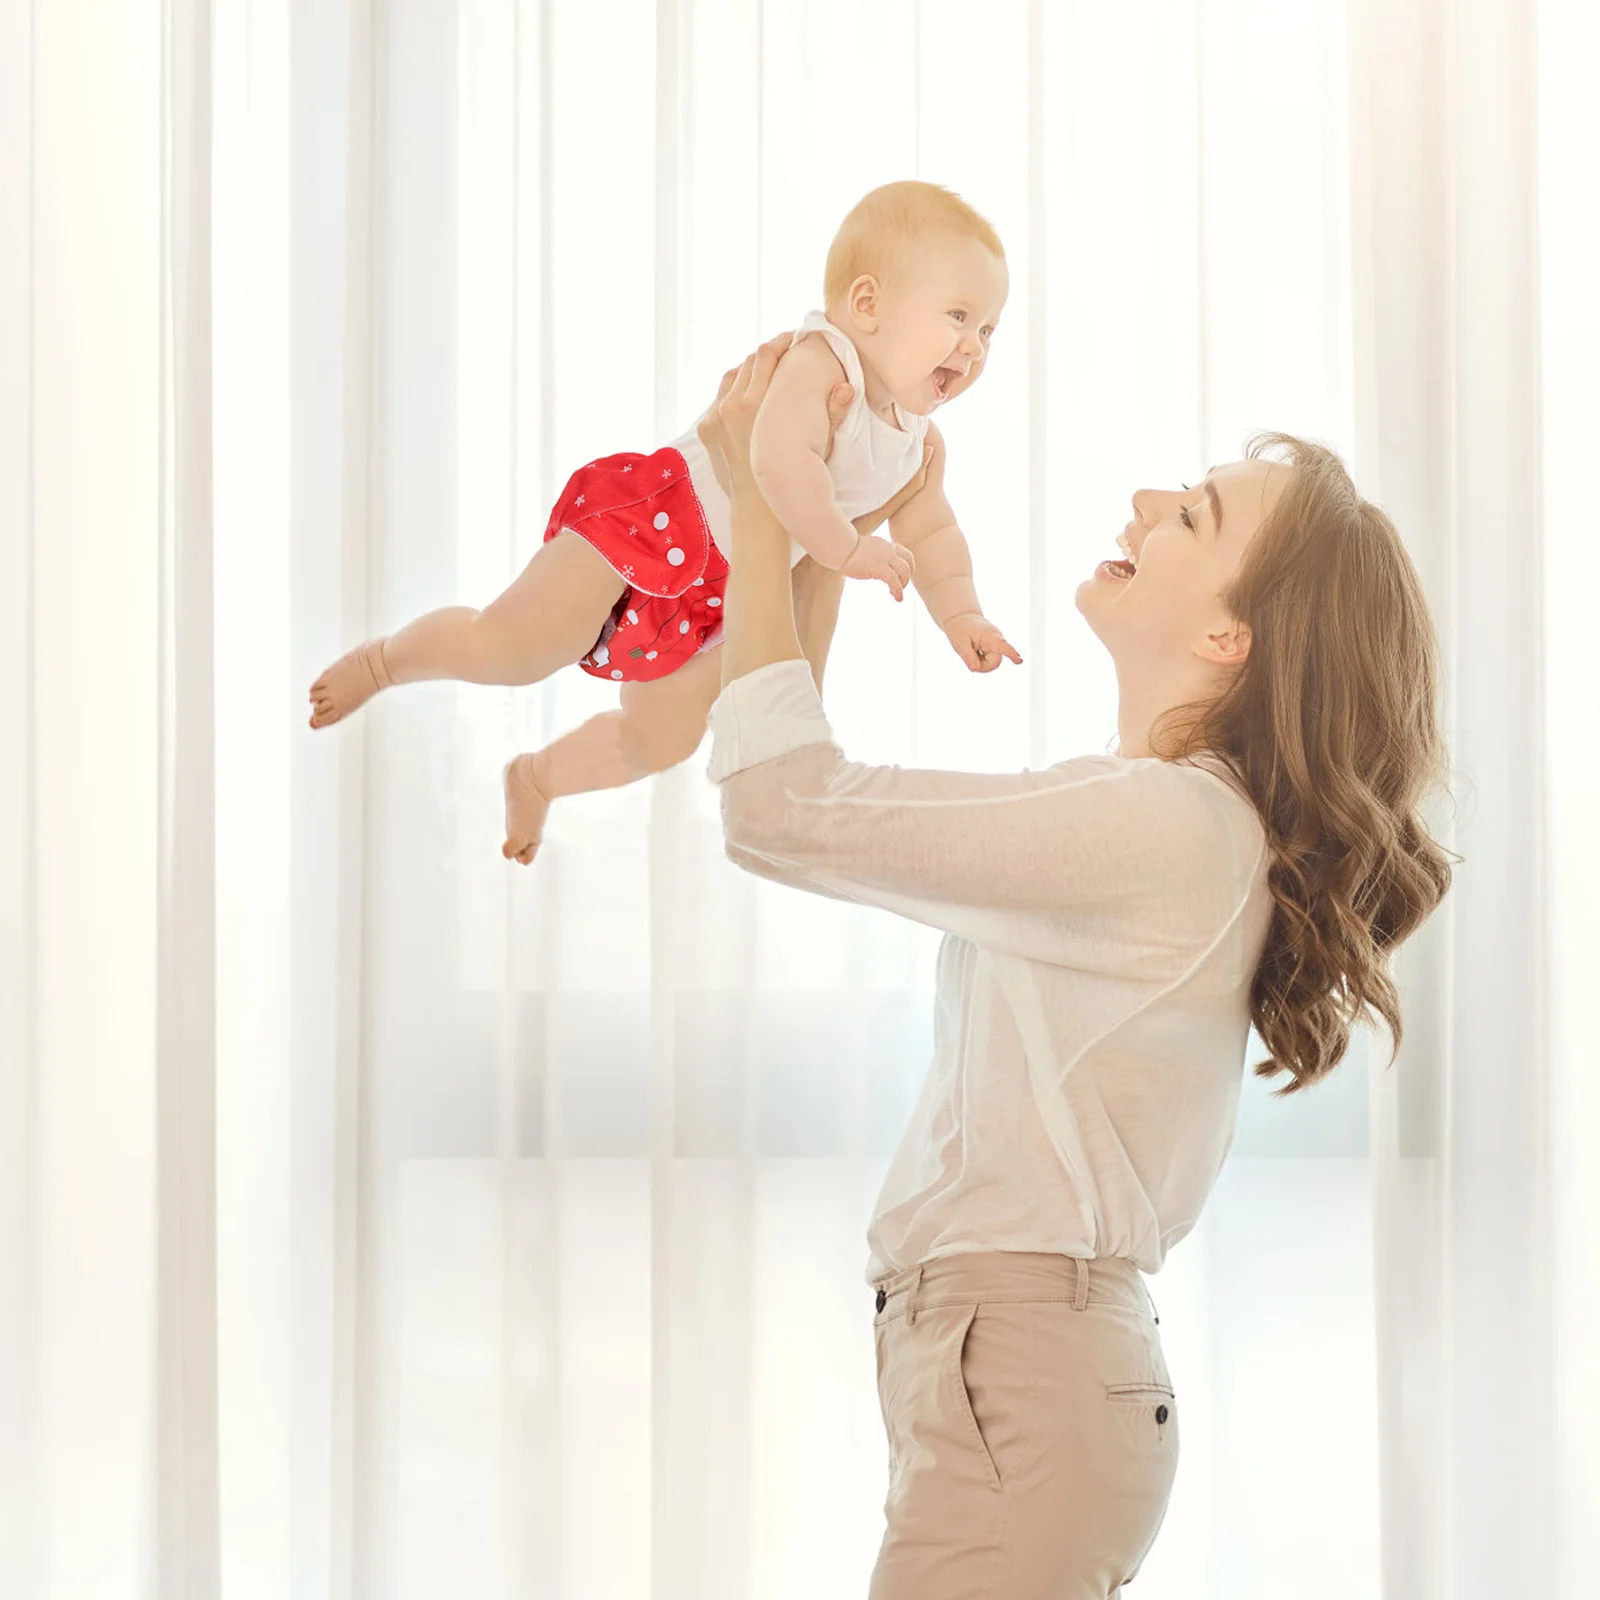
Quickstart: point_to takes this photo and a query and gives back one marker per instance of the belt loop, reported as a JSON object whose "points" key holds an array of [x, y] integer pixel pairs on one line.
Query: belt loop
{"points": [[911, 1298], [1080, 1288]]}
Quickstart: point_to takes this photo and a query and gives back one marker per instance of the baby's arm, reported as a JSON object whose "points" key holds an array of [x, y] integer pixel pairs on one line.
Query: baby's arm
{"points": [[927, 527], [789, 451], [943, 573], [789, 447]]}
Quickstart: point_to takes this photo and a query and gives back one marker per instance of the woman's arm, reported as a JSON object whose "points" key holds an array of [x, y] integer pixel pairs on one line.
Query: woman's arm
{"points": [[1007, 858], [758, 607], [1025, 861]]}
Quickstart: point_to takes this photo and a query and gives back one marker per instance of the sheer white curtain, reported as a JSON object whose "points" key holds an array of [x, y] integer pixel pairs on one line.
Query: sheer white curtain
{"points": [[1475, 145], [108, 1348], [538, 1197]]}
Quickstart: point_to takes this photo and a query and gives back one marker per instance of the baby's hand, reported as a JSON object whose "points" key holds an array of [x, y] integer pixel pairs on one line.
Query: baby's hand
{"points": [[978, 642], [881, 558]]}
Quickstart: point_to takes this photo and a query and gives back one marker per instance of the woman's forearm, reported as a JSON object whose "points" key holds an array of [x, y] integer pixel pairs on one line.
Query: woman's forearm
{"points": [[759, 626]]}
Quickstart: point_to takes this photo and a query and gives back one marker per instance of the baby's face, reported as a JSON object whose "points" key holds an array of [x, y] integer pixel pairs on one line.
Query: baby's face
{"points": [[936, 321]]}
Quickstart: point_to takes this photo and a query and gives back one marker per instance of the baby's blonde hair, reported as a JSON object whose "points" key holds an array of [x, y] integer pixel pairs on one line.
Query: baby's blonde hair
{"points": [[877, 235]]}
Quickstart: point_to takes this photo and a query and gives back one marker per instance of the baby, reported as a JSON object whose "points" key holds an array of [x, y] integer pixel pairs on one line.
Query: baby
{"points": [[629, 578]]}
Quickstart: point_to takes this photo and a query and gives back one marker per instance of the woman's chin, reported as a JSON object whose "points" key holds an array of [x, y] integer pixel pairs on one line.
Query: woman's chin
{"points": [[1090, 599]]}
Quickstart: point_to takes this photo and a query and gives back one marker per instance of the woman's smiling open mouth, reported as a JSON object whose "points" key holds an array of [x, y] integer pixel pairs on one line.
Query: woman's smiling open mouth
{"points": [[1123, 567]]}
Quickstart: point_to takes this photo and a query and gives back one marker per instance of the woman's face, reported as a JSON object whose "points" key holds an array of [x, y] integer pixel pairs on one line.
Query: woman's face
{"points": [[1164, 605]]}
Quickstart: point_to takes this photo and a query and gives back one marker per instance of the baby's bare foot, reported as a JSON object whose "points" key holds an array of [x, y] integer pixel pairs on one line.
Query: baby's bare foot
{"points": [[349, 683], [526, 805]]}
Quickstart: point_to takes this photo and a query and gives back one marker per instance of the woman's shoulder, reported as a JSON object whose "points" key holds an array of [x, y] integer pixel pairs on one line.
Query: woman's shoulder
{"points": [[1174, 809]]}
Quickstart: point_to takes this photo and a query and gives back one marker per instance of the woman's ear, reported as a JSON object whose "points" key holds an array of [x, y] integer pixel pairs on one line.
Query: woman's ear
{"points": [[1227, 645]]}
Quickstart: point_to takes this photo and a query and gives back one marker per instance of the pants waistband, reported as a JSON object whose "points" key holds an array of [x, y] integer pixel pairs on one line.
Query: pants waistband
{"points": [[998, 1275]]}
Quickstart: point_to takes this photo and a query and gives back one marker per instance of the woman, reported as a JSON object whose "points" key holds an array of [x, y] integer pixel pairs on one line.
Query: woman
{"points": [[1113, 925]]}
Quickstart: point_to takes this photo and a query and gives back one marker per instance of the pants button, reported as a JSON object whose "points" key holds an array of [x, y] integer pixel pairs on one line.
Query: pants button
{"points": [[1161, 1413], [882, 1299]]}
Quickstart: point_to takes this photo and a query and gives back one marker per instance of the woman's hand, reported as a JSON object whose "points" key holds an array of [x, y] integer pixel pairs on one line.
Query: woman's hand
{"points": [[725, 429]]}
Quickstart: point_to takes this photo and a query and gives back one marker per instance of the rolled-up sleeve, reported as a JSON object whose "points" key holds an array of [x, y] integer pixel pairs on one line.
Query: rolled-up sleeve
{"points": [[766, 713], [963, 851]]}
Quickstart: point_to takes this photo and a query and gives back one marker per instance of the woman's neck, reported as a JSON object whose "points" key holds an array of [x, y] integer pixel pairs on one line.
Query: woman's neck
{"points": [[1146, 695]]}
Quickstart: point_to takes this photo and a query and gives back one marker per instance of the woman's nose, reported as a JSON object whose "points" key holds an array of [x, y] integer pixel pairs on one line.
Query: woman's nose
{"points": [[1143, 501]]}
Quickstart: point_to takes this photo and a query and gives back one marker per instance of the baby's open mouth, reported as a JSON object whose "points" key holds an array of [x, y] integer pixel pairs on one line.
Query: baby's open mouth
{"points": [[943, 378]]}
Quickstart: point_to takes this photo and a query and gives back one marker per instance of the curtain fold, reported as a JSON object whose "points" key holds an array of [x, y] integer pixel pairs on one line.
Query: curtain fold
{"points": [[1569, 238], [107, 1058], [18, 1175], [188, 1562], [1445, 102]]}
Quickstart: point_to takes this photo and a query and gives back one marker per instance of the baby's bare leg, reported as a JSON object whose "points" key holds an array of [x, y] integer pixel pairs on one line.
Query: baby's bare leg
{"points": [[660, 723], [549, 617]]}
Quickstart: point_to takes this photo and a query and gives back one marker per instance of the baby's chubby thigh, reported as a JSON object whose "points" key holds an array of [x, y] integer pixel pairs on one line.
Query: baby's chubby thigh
{"points": [[664, 719]]}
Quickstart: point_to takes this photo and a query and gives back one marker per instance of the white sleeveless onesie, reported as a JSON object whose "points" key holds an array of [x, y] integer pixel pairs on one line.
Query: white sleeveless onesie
{"points": [[871, 458]]}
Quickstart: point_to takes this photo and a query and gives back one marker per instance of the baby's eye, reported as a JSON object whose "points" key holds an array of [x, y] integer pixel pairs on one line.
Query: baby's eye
{"points": [[960, 316], [988, 333]]}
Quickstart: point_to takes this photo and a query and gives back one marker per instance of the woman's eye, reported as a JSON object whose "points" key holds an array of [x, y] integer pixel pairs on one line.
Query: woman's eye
{"points": [[1183, 512]]}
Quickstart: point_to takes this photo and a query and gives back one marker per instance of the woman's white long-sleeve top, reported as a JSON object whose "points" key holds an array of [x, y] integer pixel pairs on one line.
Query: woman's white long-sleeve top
{"points": [[1103, 919]]}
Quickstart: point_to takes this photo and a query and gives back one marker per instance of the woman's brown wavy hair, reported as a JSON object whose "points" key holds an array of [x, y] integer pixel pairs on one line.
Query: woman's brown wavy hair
{"points": [[1331, 729]]}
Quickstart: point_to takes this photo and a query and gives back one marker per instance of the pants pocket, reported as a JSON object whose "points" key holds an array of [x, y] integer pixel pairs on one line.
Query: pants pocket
{"points": [[963, 1396], [1157, 1396], [885, 1409], [1151, 1403], [1149, 1414]]}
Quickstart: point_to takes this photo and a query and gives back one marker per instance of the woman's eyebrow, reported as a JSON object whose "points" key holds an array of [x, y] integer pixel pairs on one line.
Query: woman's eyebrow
{"points": [[1214, 498]]}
